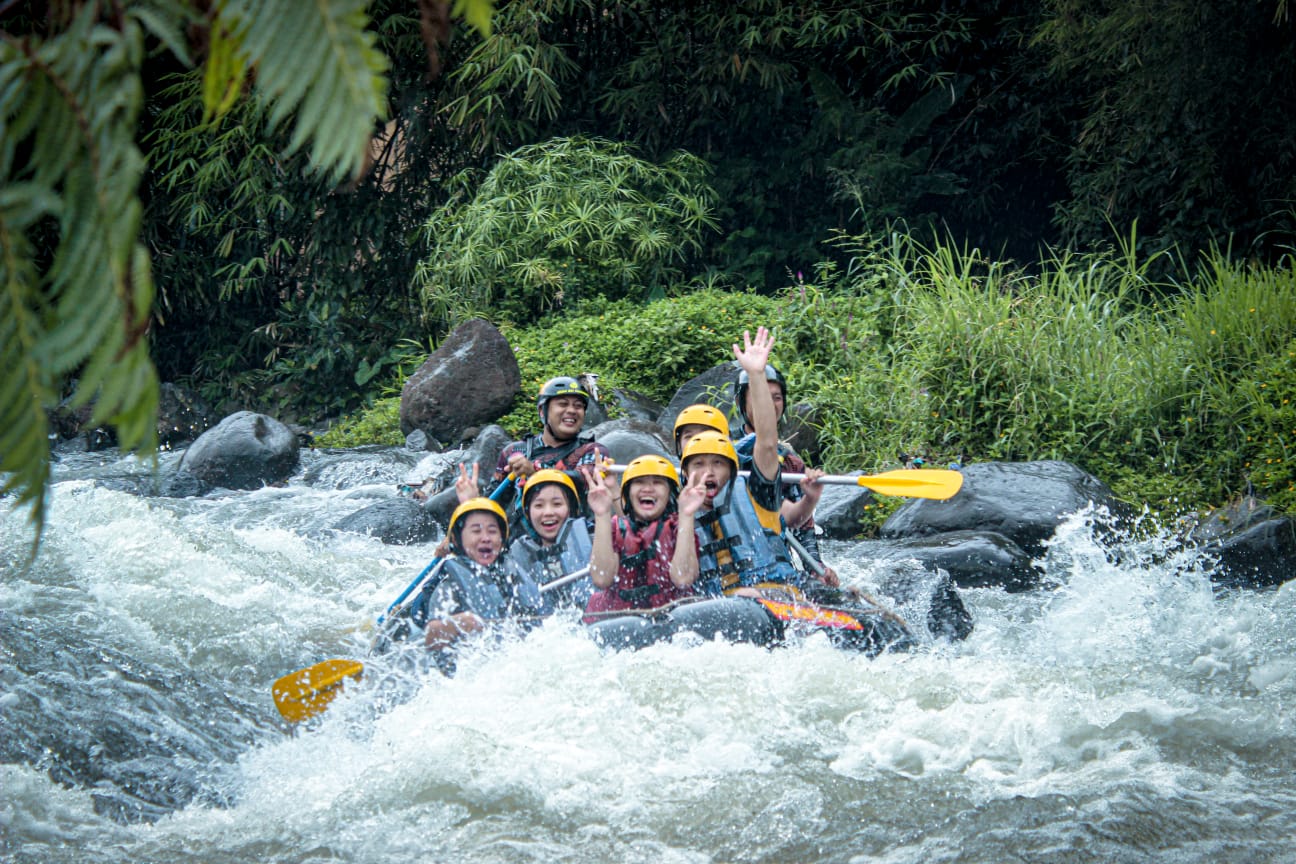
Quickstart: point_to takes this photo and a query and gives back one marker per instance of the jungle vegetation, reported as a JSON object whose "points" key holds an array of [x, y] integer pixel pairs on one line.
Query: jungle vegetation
{"points": [[286, 205]]}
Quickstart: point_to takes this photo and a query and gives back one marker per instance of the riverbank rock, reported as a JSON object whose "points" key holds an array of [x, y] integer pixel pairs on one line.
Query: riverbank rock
{"points": [[471, 379], [1249, 544], [841, 508], [713, 387], [243, 451], [636, 406], [629, 439], [395, 521], [1023, 501], [973, 559]]}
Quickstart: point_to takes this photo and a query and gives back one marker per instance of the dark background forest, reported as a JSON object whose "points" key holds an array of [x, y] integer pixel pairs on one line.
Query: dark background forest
{"points": [[1007, 126], [1004, 230]]}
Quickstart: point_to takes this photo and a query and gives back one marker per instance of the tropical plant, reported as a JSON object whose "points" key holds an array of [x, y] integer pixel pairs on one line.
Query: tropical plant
{"points": [[561, 221], [78, 286]]}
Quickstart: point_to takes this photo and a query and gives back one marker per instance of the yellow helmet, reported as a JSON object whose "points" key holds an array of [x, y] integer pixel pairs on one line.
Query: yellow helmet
{"points": [[710, 442], [700, 415], [474, 505], [552, 475], [648, 466]]}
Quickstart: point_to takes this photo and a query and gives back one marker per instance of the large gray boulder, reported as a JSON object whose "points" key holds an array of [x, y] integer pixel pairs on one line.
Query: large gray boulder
{"points": [[973, 559], [1023, 501], [244, 451], [713, 387], [1260, 555], [395, 521], [636, 406], [629, 439], [471, 379], [841, 508]]}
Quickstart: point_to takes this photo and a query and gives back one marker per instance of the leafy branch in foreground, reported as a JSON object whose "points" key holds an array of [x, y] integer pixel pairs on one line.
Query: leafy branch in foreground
{"points": [[77, 287]]}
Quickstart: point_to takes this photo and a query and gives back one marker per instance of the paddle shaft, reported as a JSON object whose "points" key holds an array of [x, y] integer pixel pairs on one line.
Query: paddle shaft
{"points": [[809, 560], [935, 483]]}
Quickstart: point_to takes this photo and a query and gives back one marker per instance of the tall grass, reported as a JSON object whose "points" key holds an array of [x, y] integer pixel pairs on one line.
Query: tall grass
{"points": [[1079, 357], [1178, 390]]}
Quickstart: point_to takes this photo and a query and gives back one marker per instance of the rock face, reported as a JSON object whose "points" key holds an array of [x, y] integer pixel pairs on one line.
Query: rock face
{"points": [[471, 379], [713, 387], [1254, 555], [636, 405], [973, 559], [841, 508], [394, 521], [243, 451], [1023, 501], [629, 439]]}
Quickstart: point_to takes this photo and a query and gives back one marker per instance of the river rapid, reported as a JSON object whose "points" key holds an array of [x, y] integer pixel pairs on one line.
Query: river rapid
{"points": [[1130, 714]]}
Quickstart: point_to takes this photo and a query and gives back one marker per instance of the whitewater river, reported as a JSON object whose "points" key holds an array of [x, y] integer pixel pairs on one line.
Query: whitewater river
{"points": [[1128, 715]]}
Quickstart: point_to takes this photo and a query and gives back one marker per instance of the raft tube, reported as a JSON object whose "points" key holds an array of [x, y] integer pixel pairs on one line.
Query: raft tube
{"points": [[768, 621]]}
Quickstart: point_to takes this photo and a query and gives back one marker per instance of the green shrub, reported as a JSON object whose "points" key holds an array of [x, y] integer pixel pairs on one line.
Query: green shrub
{"points": [[556, 223]]}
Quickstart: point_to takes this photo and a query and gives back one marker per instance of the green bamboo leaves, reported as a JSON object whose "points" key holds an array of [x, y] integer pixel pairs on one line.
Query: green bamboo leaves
{"points": [[564, 220]]}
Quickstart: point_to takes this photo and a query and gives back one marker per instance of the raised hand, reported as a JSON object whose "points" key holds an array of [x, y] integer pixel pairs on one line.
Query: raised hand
{"points": [[466, 487], [597, 492], [692, 496], [755, 352]]}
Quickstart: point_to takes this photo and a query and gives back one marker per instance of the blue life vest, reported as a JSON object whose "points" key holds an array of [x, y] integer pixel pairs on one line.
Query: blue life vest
{"points": [[495, 592], [737, 548], [570, 552], [745, 448]]}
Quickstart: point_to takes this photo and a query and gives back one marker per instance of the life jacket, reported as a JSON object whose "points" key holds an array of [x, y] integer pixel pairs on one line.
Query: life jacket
{"points": [[498, 591], [788, 459], [569, 552], [567, 456], [643, 574], [740, 545]]}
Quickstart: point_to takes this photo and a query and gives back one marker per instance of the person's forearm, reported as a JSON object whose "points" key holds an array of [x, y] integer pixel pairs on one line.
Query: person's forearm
{"points": [[684, 563], [603, 558]]}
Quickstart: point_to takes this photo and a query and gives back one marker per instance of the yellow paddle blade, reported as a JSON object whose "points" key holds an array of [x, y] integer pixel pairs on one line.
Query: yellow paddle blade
{"points": [[935, 483], [302, 694]]}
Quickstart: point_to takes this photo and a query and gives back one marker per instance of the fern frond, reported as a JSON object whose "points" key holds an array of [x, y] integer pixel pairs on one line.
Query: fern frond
{"points": [[319, 62], [75, 108]]}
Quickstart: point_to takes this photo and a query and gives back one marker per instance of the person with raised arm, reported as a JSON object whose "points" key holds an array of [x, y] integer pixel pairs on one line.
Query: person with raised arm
{"points": [[739, 527]]}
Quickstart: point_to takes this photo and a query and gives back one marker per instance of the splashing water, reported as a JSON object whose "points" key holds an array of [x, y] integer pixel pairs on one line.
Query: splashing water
{"points": [[1127, 714]]}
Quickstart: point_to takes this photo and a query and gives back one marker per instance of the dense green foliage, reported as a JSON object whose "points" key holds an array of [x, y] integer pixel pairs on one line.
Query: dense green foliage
{"points": [[1177, 401], [280, 171], [556, 222], [79, 295]]}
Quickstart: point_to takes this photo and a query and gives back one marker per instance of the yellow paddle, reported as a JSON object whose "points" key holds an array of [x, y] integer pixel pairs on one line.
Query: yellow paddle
{"points": [[934, 483], [303, 694]]}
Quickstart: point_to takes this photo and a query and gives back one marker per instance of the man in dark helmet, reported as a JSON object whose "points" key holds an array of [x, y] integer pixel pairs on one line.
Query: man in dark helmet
{"points": [[799, 500], [559, 444]]}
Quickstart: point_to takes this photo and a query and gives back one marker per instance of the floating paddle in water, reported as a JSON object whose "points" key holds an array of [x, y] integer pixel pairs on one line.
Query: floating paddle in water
{"points": [[307, 692], [937, 484]]}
